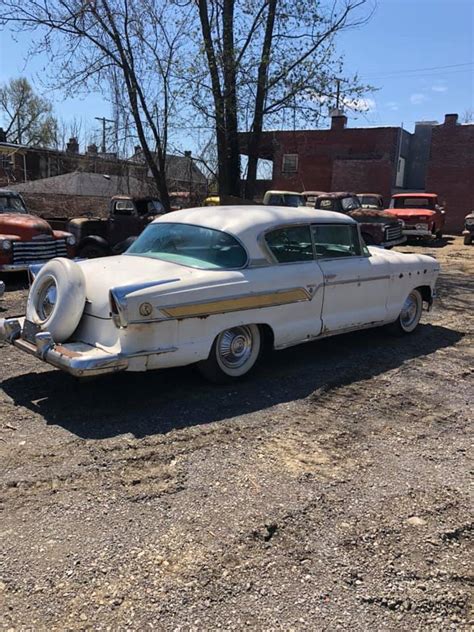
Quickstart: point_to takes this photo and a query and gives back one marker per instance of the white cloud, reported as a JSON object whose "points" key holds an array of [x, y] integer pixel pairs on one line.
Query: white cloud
{"points": [[418, 98], [362, 104], [439, 87], [392, 105]]}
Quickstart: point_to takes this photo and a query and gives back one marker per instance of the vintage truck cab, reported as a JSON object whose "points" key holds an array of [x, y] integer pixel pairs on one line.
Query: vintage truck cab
{"points": [[284, 198], [99, 236], [377, 227], [371, 200], [26, 239], [422, 214]]}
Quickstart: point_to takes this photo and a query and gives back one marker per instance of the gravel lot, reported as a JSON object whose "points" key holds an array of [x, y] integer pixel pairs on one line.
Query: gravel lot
{"points": [[330, 491]]}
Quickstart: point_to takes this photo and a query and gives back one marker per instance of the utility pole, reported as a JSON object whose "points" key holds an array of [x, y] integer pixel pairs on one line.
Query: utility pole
{"points": [[338, 93], [104, 121]]}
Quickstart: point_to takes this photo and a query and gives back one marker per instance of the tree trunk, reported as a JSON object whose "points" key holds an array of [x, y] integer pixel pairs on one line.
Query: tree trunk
{"points": [[255, 134], [232, 165]]}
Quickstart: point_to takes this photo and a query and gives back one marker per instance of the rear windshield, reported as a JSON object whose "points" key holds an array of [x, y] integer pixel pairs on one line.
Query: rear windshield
{"points": [[190, 245], [286, 199], [412, 202], [370, 201], [350, 203], [11, 204]]}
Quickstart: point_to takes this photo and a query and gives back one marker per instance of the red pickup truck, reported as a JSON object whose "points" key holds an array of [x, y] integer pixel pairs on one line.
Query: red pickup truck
{"points": [[26, 239], [421, 212]]}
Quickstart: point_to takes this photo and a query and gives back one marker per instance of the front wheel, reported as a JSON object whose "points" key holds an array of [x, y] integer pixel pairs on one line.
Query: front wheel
{"points": [[410, 315], [234, 354]]}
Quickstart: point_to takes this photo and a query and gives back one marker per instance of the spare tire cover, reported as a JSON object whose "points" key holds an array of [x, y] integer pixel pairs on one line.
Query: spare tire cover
{"points": [[57, 298]]}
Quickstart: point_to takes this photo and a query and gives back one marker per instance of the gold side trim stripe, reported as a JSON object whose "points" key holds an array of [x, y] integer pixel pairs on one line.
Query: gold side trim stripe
{"points": [[282, 297]]}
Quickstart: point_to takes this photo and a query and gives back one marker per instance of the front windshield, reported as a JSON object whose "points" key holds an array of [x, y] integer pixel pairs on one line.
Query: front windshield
{"points": [[189, 245], [350, 203], [11, 204]]}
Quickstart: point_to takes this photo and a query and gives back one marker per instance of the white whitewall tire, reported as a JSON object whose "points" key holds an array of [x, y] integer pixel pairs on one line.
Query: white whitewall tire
{"points": [[57, 297], [234, 353]]}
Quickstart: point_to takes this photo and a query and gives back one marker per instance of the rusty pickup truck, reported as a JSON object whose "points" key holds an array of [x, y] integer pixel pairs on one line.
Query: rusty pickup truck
{"points": [[26, 239], [98, 236]]}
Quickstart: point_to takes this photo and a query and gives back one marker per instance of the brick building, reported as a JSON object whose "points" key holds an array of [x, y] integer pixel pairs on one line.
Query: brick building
{"points": [[438, 158], [450, 171]]}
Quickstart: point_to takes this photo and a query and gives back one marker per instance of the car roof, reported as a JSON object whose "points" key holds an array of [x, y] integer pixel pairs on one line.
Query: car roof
{"points": [[9, 192], [371, 194], [278, 192], [248, 222], [415, 195], [337, 194]]}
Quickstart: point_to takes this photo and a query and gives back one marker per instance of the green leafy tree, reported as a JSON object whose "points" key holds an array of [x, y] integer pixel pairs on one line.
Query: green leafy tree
{"points": [[26, 117]]}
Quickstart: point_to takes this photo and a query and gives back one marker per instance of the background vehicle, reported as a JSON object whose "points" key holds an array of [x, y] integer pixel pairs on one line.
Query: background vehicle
{"points": [[284, 198], [99, 237], [377, 227], [310, 197], [421, 212], [26, 239], [371, 200], [468, 232]]}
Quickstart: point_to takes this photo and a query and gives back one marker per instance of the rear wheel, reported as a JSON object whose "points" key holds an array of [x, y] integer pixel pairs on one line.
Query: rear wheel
{"points": [[410, 315], [234, 354], [467, 240]]}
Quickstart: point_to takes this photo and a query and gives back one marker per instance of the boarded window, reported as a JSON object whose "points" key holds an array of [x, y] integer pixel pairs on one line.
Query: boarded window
{"points": [[290, 163]]}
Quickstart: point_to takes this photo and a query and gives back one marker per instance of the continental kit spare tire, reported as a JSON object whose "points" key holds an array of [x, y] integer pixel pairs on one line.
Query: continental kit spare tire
{"points": [[57, 297]]}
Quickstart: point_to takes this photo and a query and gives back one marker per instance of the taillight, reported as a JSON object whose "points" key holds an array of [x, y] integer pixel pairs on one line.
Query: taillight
{"points": [[113, 304]]}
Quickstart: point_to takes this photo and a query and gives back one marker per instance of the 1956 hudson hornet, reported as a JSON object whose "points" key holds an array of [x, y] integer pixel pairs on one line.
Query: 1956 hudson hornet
{"points": [[213, 286]]}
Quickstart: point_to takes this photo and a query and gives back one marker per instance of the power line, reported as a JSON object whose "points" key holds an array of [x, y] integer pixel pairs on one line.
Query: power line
{"points": [[417, 70]]}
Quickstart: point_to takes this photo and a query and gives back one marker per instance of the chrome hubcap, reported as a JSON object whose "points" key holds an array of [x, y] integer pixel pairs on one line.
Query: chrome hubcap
{"points": [[409, 312], [47, 299], [234, 347]]}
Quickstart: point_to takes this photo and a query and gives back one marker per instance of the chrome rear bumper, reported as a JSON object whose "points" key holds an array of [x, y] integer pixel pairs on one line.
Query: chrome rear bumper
{"points": [[77, 358]]}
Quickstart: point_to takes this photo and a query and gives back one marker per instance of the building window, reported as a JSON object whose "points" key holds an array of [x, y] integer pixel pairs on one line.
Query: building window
{"points": [[6, 162], [290, 163]]}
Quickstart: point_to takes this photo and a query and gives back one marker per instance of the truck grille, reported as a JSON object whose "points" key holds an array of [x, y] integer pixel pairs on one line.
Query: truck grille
{"points": [[393, 232], [38, 250]]}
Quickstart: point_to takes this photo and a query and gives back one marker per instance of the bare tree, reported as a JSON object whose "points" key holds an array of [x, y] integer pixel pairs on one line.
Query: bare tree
{"points": [[26, 116], [267, 60], [90, 40]]}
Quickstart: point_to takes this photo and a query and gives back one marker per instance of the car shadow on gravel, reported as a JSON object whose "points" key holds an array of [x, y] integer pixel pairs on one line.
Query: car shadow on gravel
{"points": [[159, 401]]}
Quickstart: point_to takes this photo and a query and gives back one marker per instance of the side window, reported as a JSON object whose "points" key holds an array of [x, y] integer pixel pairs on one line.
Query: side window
{"points": [[337, 240], [276, 200], [291, 244]]}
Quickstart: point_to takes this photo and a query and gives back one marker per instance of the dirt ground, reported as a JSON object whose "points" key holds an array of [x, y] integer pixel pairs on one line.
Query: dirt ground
{"points": [[330, 491]]}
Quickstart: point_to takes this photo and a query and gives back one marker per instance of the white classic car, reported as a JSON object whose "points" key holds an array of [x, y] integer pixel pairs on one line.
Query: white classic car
{"points": [[212, 286]]}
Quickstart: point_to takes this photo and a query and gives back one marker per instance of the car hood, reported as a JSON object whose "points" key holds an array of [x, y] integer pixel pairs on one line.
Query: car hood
{"points": [[410, 213], [371, 215], [139, 279], [24, 226]]}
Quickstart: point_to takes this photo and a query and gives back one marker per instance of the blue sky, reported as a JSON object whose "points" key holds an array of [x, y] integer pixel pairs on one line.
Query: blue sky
{"points": [[418, 53]]}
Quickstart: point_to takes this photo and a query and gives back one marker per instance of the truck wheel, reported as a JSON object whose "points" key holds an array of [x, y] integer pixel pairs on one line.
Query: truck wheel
{"points": [[410, 315], [439, 234], [57, 298], [92, 251], [467, 240], [233, 354]]}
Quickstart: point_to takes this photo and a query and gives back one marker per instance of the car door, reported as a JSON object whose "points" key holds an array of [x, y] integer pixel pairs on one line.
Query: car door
{"points": [[294, 270], [356, 285]]}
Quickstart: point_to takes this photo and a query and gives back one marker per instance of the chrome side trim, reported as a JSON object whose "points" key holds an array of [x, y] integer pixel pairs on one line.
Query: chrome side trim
{"points": [[236, 303], [356, 280]]}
